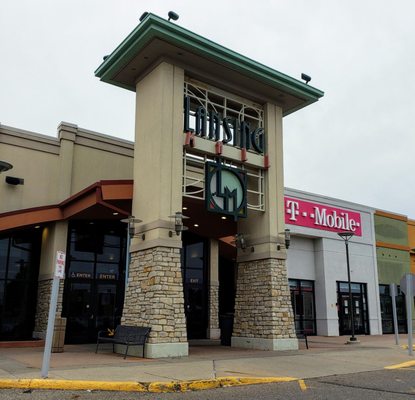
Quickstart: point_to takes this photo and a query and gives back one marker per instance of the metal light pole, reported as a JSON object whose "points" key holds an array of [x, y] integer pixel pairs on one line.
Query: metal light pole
{"points": [[346, 236]]}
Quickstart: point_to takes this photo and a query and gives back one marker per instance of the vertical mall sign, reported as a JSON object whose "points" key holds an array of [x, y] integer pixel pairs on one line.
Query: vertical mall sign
{"points": [[320, 216]]}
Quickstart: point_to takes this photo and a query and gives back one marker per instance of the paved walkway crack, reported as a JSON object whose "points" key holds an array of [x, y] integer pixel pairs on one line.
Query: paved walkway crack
{"points": [[363, 387]]}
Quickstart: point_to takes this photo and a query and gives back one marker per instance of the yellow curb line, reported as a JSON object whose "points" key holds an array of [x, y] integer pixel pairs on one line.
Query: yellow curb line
{"points": [[302, 384], [402, 365], [405, 346], [153, 387], [58, 384]]}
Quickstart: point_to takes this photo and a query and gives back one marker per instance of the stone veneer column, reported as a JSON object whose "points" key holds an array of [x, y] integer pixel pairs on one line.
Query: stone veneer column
{"points": [[44, 291], [263, 315], [154, 294], [213, 328], [154, 297], [263, 311], [53, 239]]}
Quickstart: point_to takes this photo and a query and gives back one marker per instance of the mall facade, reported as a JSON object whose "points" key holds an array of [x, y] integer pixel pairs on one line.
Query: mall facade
{"points": [[184, 229]]}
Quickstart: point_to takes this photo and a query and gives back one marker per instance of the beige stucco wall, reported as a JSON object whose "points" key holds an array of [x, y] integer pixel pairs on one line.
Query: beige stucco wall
{"points": [[34, 158], [264, 229], [158, 155], [100, 157], [55, 168]]}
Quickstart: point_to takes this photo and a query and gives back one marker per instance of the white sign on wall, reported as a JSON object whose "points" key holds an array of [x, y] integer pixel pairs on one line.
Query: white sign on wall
{"points": [[60, 264]]}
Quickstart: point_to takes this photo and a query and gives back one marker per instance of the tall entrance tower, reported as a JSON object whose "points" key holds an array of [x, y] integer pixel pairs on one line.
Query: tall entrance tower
{"points": [[209, 129]]}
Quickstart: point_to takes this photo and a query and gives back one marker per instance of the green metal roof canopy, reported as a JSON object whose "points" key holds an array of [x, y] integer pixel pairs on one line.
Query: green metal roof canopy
{"points": [[155, 40]]}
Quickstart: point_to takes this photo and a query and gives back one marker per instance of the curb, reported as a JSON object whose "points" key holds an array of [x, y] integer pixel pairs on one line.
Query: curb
{"points": [[152, 387], [401, 365]]}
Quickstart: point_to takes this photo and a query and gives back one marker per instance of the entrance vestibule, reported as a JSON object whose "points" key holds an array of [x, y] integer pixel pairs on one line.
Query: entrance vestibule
{"points": [[360, 309], [209, 285], [95, 276]]}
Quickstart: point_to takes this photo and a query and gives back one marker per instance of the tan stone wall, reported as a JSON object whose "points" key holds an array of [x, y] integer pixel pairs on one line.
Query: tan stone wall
{"points": [[154, 296], [214, 305], [263, 305], [42, 307]]}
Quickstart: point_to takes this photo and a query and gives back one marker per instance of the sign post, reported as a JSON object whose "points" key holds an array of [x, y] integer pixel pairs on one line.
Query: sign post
{"points": [[407, 286], [58, 274], [393, 293]]}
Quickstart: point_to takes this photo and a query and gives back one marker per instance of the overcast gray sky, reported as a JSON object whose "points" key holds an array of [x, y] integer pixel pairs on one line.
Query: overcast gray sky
{"points": [[357, 143]]}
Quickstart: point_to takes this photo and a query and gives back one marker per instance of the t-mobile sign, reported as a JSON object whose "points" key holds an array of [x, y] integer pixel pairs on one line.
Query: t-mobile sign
{"points": [[319, 216]]}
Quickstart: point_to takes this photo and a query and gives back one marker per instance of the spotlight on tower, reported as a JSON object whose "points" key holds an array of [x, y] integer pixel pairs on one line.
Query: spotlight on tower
{"points": [[306, 78], [172, 15]]}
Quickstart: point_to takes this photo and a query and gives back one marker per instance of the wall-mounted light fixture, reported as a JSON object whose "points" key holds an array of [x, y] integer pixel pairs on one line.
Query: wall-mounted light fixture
{"points": [[178, 223], [240, 241], [5, 166], [287, 237], [13, 180], [131, 221]]}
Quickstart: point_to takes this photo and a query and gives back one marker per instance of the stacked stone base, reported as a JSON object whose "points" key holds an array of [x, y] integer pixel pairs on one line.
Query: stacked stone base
{"points": [[42, 306], [154, 298], [263, 312]]}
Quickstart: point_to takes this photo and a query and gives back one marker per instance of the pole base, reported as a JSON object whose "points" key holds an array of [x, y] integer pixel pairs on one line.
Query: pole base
{"points": [[353, 340]]}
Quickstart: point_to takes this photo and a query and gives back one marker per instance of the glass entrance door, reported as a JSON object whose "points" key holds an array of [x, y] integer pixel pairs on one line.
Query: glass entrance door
{"points": [[94, 284], [360, 312], [302, 300], [90, 306], [195, 286]]}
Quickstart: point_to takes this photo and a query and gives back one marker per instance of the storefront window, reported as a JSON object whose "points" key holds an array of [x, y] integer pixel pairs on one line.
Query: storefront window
{"points": [[387, 313], [302, 300], [19, 266]]}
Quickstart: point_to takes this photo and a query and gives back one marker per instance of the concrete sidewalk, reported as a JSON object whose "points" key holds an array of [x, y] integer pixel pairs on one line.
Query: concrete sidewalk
{"points": [[326, 356]]}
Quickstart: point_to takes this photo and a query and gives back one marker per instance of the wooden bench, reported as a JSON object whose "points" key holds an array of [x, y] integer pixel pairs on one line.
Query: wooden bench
{"points": [[126, 335]]}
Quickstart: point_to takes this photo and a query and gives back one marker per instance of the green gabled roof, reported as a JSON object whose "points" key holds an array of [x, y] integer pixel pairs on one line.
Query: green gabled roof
{"points": [[156, 38]]}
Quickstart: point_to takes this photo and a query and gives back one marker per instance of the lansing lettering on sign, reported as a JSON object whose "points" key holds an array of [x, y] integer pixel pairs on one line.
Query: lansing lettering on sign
{"points": [[319, 216], [208, 125]]}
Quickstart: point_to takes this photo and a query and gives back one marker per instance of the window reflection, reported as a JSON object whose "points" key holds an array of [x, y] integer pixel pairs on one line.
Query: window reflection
{"points": [[19, 263]]}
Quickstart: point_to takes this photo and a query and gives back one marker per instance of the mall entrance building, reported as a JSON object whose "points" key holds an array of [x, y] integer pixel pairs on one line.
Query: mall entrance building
{"points": [[202, 251]]}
